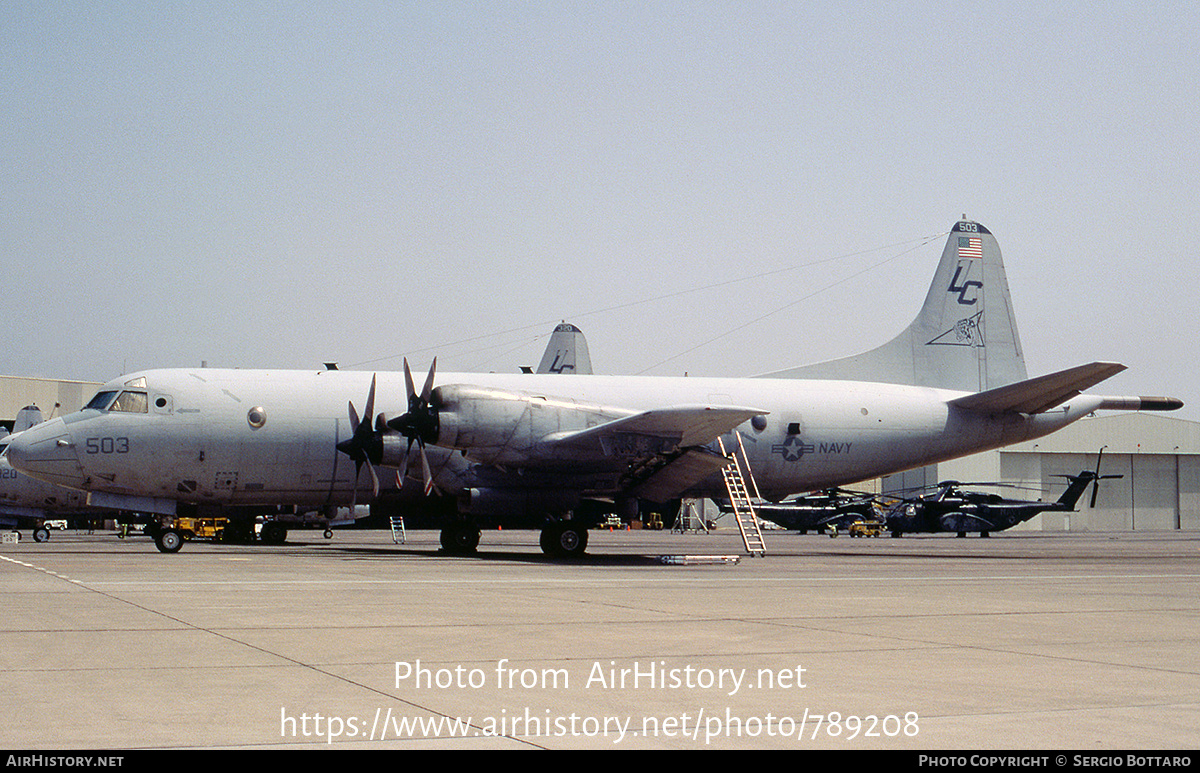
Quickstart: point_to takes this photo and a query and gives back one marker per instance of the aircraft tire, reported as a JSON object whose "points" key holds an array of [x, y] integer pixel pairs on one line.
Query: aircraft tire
{"points": [[460, 539], [564, 540], [274, 534], [41, 534], [169, 540]]}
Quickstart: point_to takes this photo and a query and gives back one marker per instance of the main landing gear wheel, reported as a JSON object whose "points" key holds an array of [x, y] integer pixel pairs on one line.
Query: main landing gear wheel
{"points": [[273, 533], [41, 534], [460, 538], [169, 540], [564, 540]]}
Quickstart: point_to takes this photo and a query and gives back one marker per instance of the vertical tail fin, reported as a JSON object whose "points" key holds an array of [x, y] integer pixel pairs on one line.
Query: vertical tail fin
{"points": [[566, 352], [27, 417], [965, 336]]}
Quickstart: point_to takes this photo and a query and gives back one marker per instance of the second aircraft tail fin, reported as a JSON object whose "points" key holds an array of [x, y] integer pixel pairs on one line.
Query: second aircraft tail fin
{"points": [[27, 417], [567, 352], [965, 336]]}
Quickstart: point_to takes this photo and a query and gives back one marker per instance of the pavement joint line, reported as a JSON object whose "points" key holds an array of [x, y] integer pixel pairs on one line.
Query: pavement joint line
{"points": [[227, 637]]}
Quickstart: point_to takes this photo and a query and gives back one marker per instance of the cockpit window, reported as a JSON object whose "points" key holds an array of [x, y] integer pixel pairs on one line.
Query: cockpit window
{"points": [[131, 402], [100, 401]]}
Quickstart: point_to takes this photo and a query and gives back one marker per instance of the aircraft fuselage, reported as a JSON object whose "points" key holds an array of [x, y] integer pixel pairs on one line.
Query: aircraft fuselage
{"points": [[248, 437]]}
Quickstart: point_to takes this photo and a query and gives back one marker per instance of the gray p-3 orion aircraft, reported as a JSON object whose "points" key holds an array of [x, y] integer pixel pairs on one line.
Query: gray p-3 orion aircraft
{"points": [[569, 449]]}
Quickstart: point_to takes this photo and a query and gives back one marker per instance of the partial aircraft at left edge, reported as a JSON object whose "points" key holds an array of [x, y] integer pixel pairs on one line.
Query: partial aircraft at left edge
{"points": [[26, 502]]}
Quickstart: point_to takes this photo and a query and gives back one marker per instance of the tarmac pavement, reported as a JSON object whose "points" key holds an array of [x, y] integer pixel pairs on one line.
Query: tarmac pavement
{"points": [[1024, 641]]}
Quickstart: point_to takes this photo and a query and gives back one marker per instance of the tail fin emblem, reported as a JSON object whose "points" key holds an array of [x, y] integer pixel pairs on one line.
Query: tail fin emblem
{"points": [[966, 332]]}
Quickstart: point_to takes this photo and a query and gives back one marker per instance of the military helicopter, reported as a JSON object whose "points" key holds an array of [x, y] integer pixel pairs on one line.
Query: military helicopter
{"points": [[833, 508], [952, 509]]}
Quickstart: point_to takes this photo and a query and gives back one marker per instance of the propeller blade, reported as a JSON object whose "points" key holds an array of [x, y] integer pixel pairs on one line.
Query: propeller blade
{"points": [[425, 471], [427, 390], [370, 412], [408, 382], [402, 473], [374, 481]]}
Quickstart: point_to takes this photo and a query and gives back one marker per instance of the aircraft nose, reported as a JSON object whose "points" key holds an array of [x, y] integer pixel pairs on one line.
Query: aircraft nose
{"points": [[47, 451]]}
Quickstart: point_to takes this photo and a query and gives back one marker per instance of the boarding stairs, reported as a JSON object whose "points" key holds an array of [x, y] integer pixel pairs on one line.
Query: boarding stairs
{"points": [[736, 474]]}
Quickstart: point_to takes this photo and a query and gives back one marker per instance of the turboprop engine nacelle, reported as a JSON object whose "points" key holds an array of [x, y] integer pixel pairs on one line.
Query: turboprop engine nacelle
{"points": [[499, 426], [393, 450]]}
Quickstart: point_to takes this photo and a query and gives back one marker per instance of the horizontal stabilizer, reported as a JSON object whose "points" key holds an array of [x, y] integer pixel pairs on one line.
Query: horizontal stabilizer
{"points": [[1040, 394]]}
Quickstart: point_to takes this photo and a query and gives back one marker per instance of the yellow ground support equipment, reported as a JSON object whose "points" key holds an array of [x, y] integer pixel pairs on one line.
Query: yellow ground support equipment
{"points": [[866, 529]]}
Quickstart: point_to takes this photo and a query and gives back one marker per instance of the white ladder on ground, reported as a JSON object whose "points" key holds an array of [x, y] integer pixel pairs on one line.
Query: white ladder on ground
{"points": [[398, 534], [740, 499]]}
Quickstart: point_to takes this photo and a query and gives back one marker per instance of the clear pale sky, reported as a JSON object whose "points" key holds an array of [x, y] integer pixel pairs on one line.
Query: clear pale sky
{"points": [[711, 188]]}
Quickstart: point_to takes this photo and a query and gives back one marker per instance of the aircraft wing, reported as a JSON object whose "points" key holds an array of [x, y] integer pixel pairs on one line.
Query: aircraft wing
{"points": [[1037, 395], [664, 448], [665, 429], [667, 480]]}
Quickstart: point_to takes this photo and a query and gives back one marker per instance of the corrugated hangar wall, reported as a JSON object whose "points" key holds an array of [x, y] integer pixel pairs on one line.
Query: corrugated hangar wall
{"points": [[1156, 492]]}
